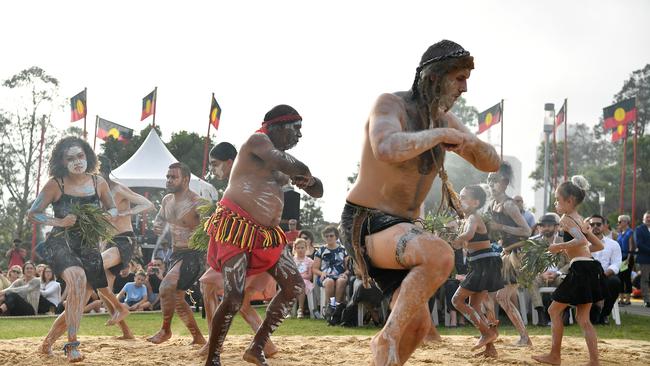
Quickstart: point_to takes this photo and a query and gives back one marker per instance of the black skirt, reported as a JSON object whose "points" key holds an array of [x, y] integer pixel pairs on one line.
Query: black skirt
{"points": [[62, 250], [584, 284], [484, 273], [124, 242]]}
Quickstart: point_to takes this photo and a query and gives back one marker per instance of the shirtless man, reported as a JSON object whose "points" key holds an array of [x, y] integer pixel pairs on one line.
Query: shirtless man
{"points": [[222, 157], [178, 210], [245, 236], [119, 252], [72, 182], [406, 136]]}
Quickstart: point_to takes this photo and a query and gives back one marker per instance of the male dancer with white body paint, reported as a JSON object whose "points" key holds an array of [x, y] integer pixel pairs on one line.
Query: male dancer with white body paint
{"points": [[245, 236], [119, 251], [222, 157], [178, 209], [405, 139]]}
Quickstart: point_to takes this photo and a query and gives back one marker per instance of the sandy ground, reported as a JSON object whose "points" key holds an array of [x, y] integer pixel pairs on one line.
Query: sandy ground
{"points": [[294, 351]]}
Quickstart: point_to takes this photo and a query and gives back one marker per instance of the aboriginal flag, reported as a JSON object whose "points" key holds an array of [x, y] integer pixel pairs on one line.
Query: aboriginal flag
{"points": [[620, 113], [215, 113], [148, 105], [489, 117], [620, 132], [78, 106], [560, 117], [107, 128]]}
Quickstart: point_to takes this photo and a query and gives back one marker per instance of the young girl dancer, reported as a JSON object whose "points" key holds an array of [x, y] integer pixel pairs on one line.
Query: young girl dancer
{"points": [[484, 268], [584, 284]]}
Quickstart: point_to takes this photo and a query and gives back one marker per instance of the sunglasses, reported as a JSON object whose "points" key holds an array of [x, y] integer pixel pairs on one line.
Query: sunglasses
{"points": [[330, 236], [598, 224], [15, 271]]}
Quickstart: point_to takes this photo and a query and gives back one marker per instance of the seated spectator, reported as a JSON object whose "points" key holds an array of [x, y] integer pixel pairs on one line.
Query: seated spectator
{"points": [[39, 270], [134, 294], [4, 281], [329, 266], [370, 298], [308, 236], [15, 272], [94, 304], [155, 274], [610, 258], [21, 298], [552, 277], [304, 265], [126, 276], [50, 292]]}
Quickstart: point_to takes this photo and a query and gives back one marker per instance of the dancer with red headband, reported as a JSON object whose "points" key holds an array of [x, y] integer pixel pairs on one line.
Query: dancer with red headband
{"points": [[245, 238]]}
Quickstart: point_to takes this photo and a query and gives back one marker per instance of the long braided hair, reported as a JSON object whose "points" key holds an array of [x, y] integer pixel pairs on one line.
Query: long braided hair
{"points": [[438, 60]]}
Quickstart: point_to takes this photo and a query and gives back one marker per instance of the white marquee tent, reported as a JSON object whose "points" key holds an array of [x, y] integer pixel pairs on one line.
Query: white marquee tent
{"points": [[148, 167]]}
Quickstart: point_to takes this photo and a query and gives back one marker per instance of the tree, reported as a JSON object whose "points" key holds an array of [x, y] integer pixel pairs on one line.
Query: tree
{"points": [[311, 214], [592, 154], [118, 152], [35, 97], [466, 113]]}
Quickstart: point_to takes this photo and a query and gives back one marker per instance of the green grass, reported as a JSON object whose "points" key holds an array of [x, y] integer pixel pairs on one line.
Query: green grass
{"points": [[633, 327]]}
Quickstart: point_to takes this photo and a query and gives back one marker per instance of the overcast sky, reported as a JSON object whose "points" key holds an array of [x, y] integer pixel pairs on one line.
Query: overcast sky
{"points": [[329, 60]]}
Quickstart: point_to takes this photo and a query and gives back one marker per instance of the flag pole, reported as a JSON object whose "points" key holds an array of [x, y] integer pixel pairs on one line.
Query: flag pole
{"points": [[95, 138], [155, 106], [501, 129], [85, 114], [207, 142], [621, 204], [38, 184], [636, 132], [555, 153], [566, 123]]}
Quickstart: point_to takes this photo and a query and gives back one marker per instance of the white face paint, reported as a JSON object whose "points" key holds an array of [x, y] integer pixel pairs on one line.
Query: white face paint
{"points": [[218, 170], [75, 159]]}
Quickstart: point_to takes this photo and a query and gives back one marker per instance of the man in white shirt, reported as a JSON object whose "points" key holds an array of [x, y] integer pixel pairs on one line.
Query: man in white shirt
{"points": [[610, 258], [528, 216]]}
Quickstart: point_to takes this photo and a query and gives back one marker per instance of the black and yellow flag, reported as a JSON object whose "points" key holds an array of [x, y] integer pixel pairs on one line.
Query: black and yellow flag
{"points": [[106, 128], [78, 106], [148, 105], [215, 113], [620, 113], [488, 118]]}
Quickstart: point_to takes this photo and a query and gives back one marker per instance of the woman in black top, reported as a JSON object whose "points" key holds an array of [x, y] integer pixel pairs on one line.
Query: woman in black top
{"points": [[73, 166], [510, 226]]}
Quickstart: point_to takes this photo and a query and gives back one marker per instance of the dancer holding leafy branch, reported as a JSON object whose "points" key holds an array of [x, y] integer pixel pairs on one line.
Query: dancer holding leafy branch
{"points": [[71, 249]]}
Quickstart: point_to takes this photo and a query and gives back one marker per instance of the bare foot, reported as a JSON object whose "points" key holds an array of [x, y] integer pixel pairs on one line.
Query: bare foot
{"points": [[384, 350], [486, 338], [46, 349], [120, 314], [252, 355], [204, 350], [198, 340], [523, 342], [160, 337], [490, 351], [433, 335], [126, 336], [548, 358], [73, 354], [270, 349]]}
